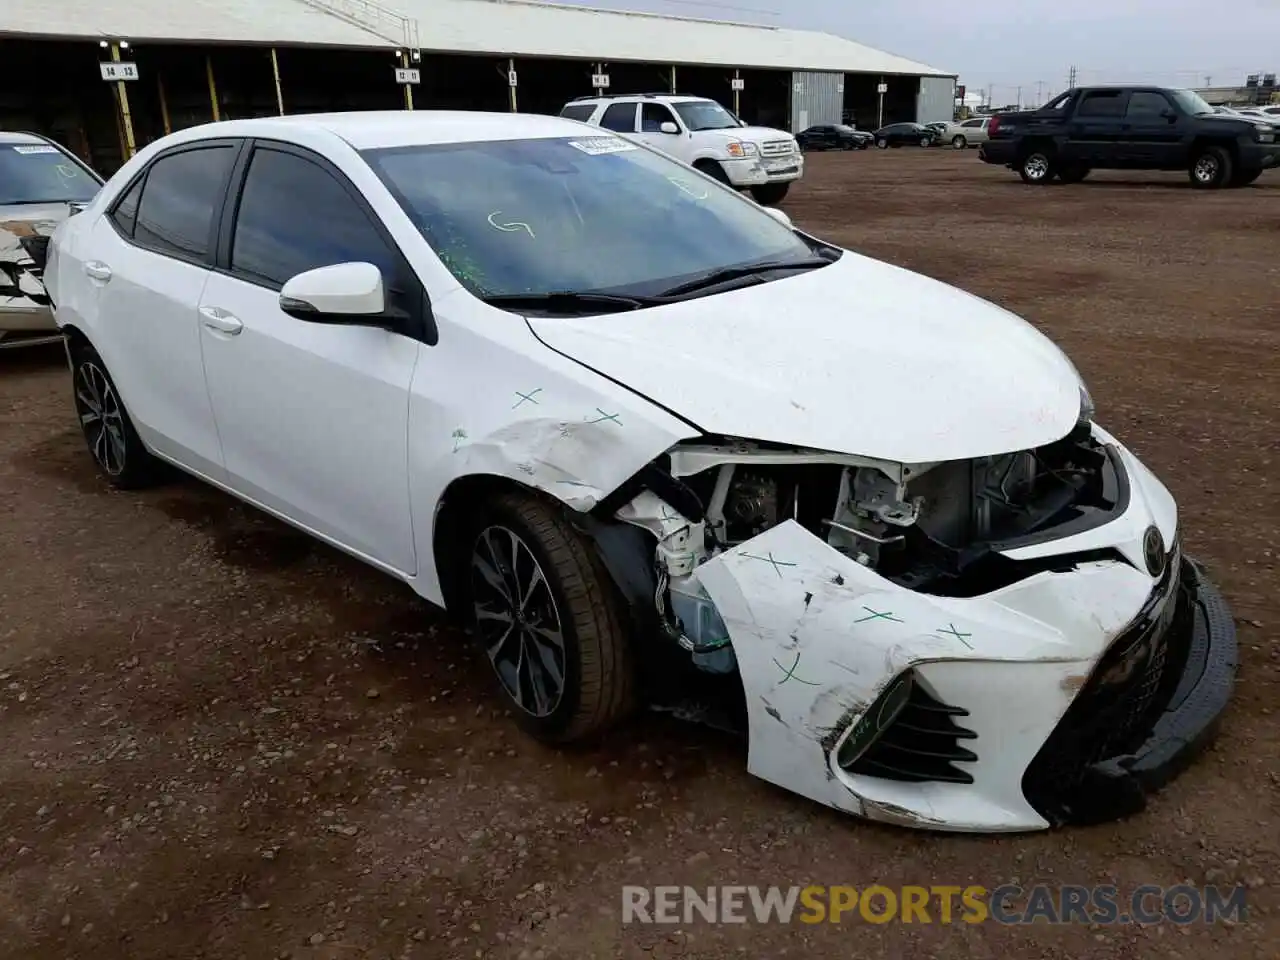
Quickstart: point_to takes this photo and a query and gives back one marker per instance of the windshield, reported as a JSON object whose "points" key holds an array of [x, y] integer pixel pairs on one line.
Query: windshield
{"points": [[593, 213], [1191, 102], [705, 115], [41, 173]]}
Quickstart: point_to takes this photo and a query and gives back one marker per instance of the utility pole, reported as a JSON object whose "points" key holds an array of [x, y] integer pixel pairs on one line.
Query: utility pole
{"points": [[1019, 96], [1071, 78], [1039, 92]]}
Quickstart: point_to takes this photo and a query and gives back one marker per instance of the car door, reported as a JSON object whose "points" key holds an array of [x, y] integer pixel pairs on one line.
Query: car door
{"points": [[652, 117], [148, 260], [1152, 130], [313, 416], [1094, 134], [975, 131]]}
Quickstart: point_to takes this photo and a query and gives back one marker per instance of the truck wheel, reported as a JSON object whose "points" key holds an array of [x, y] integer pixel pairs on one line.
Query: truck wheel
{"points": [[959, 142], [712, 169], [1036, 167], [1210, 168], [1073, 174], [770, 193]]}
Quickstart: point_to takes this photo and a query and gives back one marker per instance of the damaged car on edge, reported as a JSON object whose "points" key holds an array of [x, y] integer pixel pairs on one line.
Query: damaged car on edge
{"points": [[642, 433]]}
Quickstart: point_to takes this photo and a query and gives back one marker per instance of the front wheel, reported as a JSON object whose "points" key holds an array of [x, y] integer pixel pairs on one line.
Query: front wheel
{"points": [[1210, 168], [114, 444], [712, 169], [882, 143], [1036, 167], [959, 142], [770, 194], [550, 621], [926, 141]]}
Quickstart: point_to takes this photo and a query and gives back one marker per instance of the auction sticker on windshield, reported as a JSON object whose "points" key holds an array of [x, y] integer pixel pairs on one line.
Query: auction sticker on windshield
{"points": [[35, 148], [596, 146]]}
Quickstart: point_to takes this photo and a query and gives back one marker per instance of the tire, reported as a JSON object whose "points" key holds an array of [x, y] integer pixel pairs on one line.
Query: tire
{"points": [[1210, 168], [523, 546], [926, 141], [1036, 166], [959, 142], [117, 450], [1243, 178], [712, 169], [1073, 174], [882, 143], [771, 193]]}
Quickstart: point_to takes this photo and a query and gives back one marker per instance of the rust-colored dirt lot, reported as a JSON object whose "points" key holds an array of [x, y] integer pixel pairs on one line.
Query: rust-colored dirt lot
{"points": [[219, 739]]}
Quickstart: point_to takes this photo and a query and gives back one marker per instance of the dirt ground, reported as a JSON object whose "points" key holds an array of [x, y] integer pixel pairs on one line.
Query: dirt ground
{"points": [[219, 739]]}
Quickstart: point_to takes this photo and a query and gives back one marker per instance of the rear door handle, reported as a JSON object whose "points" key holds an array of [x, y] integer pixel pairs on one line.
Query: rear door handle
{"points": [[218, 319], [97, 270]]}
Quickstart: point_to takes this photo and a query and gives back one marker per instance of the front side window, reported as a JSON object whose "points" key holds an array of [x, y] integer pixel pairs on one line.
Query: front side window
{"points": [[1146, 103], [653, 116], [576, 214], [181, 194], [33, 173], [620, 117], [293, 217], [705, 115]]}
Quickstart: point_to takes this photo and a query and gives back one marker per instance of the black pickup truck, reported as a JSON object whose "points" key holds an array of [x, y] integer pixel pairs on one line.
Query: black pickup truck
{"points": [[1131, 128]]}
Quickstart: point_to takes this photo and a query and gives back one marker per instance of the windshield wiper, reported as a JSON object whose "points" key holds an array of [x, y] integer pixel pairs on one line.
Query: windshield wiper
{"points": [[570, 302], [725, 274]]}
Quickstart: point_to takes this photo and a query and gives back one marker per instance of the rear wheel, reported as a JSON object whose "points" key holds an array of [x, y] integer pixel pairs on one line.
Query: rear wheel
{"points": [[1036, 166], [550, 620], [959, 142], [882, 143], [712, 169], [770, 193], [114, 444], [1210, 168], [1073, 174]]}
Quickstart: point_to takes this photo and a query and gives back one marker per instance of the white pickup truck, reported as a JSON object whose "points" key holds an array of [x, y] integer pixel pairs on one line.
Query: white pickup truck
{"points": [[704, 135]]}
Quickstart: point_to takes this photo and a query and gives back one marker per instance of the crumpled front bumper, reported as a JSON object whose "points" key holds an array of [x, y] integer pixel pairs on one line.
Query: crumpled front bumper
{"points": [[1075, 691], [757, 171]]}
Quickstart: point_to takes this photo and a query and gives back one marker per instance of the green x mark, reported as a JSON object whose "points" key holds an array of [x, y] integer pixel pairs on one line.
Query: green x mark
{"points": [[953, 632], [605, 418], [777, 564], [877, 615], [790, 673], [530, 397]]}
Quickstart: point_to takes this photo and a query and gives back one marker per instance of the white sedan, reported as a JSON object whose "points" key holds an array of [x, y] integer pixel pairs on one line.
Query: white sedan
{"points": [[629, 426]]}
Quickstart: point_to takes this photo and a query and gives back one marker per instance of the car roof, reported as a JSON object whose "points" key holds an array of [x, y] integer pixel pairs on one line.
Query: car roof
{"points": [[15, 137], [653, 97], [375, 129]]}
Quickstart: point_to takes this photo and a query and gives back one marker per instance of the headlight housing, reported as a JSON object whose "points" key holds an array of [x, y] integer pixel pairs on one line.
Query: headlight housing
{"points": [[1264, 133], [742, 148], [1087, 408]]}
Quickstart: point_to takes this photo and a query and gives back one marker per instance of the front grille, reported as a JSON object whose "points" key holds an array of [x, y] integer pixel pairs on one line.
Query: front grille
{"points": [[1113, 713], [922, 744], [776, 148]]}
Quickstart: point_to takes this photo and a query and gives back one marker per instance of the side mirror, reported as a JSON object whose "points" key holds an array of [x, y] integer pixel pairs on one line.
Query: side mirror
{"points": [[349, 293], [1168, 115], [778, 215], [668, 127]]}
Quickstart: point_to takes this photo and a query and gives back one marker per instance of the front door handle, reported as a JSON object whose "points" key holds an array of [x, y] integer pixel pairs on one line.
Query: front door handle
{"points": [[97, 270], [218, 319]]}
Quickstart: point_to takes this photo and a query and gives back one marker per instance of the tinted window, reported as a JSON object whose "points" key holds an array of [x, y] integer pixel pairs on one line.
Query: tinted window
{"points": [[620, 117], [1109, 103], [182, 192], [578, 111], [1146, 103], [293, 217], [653, 116], [552, 214], [972, 123], [126, 211], [41, 173]]}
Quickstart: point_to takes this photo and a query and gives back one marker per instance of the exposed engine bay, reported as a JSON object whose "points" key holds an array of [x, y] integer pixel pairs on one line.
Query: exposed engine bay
{"points": [[935, 528]]}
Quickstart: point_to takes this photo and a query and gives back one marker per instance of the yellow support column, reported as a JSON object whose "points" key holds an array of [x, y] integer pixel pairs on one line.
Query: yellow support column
{"points": [[164, 104], [275, 72], [408, 87], [511, 68], [126, 118], [213, 87], [736, 93], [673, 79]]}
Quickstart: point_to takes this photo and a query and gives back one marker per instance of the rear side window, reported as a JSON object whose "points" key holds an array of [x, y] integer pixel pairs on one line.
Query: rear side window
{"points": [[1146, 103], [182, 193], [295, 216], [1102, 103], [578, 111], [620, 117], [125, 213]]}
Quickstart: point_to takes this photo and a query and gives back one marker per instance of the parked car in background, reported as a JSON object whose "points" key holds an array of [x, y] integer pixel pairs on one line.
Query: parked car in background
{"points": [[966, 133], [41, 184], [904, 135], [601, 409], [835, 136], [704, 135], [1132, 128]]}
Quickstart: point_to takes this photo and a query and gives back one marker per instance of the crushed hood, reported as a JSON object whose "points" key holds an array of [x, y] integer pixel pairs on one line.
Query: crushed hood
{"points": [[859, 357]]}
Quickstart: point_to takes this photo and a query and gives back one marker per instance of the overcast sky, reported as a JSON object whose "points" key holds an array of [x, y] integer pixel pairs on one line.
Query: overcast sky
{"points": [[1031, 42]]}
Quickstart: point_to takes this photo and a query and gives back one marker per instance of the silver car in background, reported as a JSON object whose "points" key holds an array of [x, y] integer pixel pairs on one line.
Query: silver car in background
{"points": [[41, 184]]}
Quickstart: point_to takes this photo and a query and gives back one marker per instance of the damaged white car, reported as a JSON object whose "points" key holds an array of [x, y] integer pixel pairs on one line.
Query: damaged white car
{"points": [[646, 437]]}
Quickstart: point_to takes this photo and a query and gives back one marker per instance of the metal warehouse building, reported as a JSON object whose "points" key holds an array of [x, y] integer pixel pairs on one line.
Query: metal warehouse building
{"points": [[187, 62]]}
